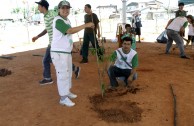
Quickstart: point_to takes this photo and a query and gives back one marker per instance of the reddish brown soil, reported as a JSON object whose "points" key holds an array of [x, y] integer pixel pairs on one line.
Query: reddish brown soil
{"points": [[149, 103]]}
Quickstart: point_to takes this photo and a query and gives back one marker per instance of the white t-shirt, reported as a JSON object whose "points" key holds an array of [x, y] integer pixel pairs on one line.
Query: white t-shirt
{"points": [[191, 30], [119, 61], [177, 23]]}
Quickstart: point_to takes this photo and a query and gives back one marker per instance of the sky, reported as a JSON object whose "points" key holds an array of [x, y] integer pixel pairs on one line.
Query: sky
{"points": [[7, 5]]}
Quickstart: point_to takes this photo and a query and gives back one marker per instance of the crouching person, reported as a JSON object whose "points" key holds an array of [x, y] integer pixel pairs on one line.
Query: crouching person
{"points": [[124, 62]]}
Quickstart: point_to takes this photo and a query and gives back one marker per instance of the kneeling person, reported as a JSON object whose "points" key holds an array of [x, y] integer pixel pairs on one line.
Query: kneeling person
{"points": [[124, 62]]}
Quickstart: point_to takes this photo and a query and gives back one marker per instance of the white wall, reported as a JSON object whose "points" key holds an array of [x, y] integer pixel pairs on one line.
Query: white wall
{"points": [[190, 9]]}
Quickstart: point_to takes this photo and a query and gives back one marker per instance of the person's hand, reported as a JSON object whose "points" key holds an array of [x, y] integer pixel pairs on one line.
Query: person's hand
{"points": [[130, 79], [34, 38]]}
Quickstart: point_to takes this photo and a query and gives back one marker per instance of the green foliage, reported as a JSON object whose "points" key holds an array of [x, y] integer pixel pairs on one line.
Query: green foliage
{"points": [[35, 9], [75, 12], [102, 64], [24, 11], [103, 88], [92, 50], [100, 52], [16, 10]]}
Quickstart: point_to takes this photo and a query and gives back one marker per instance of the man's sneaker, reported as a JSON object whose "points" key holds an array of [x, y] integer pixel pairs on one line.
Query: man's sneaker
{"points": [[77, 72], [67, 102], [71, 95], [84, 61], [45, 82]]}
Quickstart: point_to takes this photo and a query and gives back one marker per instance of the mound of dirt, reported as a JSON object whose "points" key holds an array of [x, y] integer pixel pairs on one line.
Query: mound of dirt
{"points": [[112, 109], [4, 72], [122, 91]]}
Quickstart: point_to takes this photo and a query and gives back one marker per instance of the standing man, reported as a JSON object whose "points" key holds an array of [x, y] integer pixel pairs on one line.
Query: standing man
{"points": [[90, 34], [181, 11], [136, 23], [48, 20], [124, 62], [174, 29]]}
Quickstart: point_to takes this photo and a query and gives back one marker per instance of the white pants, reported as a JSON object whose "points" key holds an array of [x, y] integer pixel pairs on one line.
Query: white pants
{"points": [[63, 67]]}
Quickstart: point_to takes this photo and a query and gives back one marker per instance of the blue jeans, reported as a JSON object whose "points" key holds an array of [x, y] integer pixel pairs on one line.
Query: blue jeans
{"points": [[174, 35], [46, 63], [114, 72]]}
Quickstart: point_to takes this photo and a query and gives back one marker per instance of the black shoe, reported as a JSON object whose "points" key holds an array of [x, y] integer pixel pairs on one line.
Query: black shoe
{"points": [[77, 72], [45, 82], [185, 57], [84, 61]]}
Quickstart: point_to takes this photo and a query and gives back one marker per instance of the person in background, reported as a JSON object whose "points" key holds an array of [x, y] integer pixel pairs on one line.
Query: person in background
{"points": [[90, 34], [174, 28], [181, 11], [136, 23], [43, 6], [191, 30], [61, 52], [130, 33], [49, 15]]}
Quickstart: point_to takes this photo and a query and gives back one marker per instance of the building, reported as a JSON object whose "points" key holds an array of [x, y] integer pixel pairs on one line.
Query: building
{"points": [[187, 1], [190, 9], [111, 11], [149, 10]]}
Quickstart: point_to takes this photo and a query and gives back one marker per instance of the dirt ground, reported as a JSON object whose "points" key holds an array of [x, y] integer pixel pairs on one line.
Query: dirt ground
{"points": [[25, 103]]}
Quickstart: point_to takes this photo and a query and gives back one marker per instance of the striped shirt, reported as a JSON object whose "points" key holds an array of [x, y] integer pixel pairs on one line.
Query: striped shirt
{"points": [[48, 20]]}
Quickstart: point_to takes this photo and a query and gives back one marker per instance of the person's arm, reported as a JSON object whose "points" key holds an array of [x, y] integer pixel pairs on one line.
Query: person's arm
{"points": [[133, 71], [182, 29], [39, 35], [168, 23], [75, 49], [67, 29], [134, 66], [79, 28], [98, 30], [96, 22]]}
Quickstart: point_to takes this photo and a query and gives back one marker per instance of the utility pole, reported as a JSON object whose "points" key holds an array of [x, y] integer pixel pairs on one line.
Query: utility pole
{"points": [[124, 3]]}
